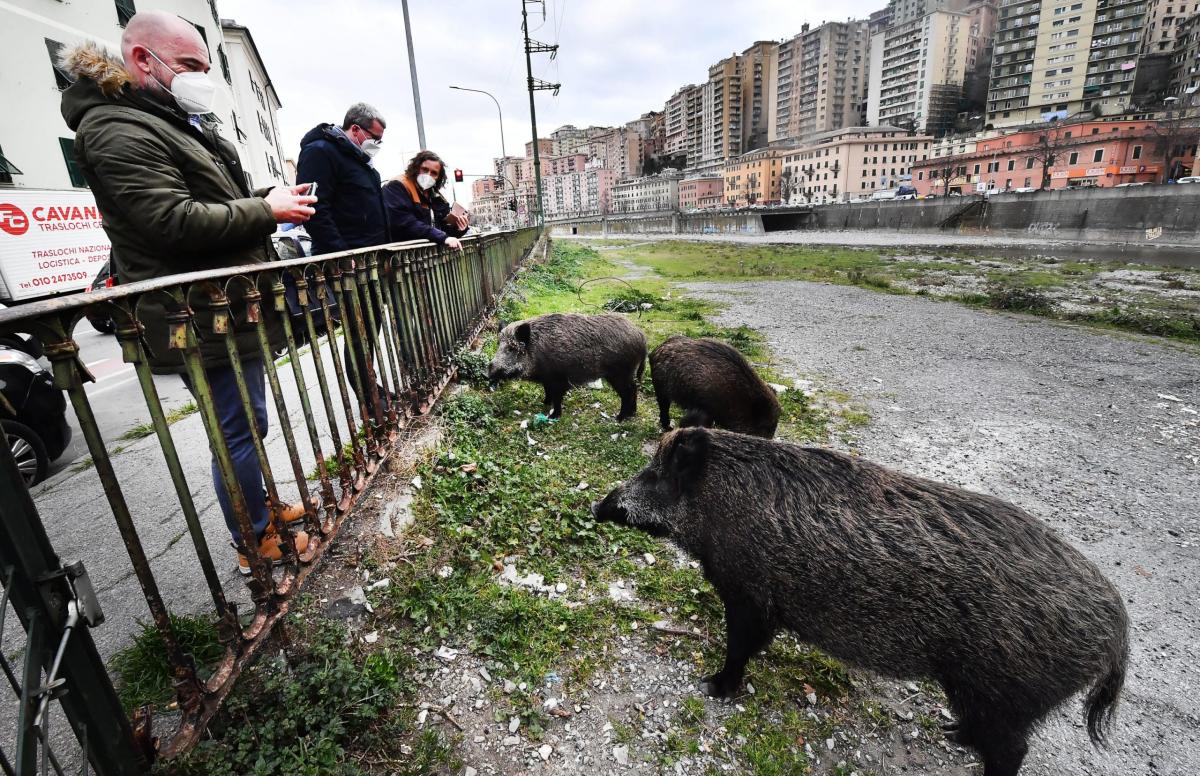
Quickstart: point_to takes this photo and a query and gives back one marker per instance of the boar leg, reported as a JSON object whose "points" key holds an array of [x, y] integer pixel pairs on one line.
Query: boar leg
{"points": [[628, 393], [664, 409], [981, 727], [555, 391], [747, 631]]}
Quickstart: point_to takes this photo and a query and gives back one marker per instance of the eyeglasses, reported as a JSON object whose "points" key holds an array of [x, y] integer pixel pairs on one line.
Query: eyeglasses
{"points": [[370, 134]]}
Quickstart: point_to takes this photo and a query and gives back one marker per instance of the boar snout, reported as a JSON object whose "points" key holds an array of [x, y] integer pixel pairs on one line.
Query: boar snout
{"points": [[609, 509]]}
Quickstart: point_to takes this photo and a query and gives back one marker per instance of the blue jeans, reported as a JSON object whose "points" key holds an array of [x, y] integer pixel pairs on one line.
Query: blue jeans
{"points": [[236, 429]]}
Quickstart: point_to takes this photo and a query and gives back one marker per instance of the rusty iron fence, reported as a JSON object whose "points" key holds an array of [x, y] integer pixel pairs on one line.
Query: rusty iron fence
{"points": [[413, 305]]}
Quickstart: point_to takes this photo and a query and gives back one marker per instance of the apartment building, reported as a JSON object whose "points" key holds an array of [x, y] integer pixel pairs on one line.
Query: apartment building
{"points": [[720, 116], [919, 67], [1093, 153], [702, 193], [754, 177], [759, 67], [618, 149], [1185, 62], [681, 119], [649, 194], [569, 139], [822, 81], [1163, 19], [255, 128], [1058, 58], [37, 150], [850, 163]]}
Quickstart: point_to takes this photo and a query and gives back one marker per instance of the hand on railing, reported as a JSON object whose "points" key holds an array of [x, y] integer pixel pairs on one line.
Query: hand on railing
{"points": [[290, 204], [453, 242]]}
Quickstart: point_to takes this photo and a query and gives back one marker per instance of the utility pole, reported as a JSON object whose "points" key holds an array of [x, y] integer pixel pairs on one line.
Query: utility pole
{"points": [[533, 47], [412, 69]]}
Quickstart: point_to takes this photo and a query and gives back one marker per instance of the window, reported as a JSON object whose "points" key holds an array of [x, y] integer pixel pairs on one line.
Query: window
{"points": [[1137, 152], [1074, 158], [7, 169], [203, 34], [1027, 182], [1012, 164], [1098, 156], [62, 79], [976, 169], [224, 64], [125, 11], [68, 151]]}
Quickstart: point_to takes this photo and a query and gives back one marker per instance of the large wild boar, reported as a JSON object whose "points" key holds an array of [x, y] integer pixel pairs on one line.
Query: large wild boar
{"points": [[889, 572], [714, 384], [563, 350]]}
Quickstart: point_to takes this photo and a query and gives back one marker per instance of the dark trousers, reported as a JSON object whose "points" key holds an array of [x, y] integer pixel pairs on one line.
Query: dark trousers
{"points": [[235, 427], [364, 351]]}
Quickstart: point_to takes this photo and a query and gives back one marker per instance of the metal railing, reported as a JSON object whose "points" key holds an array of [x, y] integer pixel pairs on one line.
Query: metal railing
{"points": [[413, 304]]}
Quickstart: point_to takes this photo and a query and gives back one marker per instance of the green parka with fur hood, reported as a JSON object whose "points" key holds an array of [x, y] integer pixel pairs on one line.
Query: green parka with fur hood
{"points": [[173, 199]]}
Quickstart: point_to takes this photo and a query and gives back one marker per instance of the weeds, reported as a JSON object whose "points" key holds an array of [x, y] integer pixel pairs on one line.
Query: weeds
{"points": [[143, 670], [1019, 298]]}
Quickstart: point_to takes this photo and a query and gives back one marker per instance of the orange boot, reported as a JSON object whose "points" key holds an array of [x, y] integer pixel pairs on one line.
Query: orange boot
{"points": [[270, 546]]}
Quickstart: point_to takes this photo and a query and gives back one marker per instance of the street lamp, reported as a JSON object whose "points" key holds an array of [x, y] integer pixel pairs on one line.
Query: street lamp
{"points": [[503, 152]]}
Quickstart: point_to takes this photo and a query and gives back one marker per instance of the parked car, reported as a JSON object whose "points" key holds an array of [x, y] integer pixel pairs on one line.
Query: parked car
{"points": [[1189, 179], [1024, 190], [293, 244], [32, 411], [906, 192], [883, 194], [1127, 185]]}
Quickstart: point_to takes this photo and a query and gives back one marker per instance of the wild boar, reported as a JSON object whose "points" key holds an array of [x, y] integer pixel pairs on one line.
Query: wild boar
{"points": [[886, 571], [714, 384], [564, 350]]}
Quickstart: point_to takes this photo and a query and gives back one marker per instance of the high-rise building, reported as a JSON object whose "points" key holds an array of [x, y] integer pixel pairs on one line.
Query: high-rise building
{"points": [[822, 81], [1163, 19], [759, 65], [920, 66], [721, 116], [1185, 62], [1058, 58]]}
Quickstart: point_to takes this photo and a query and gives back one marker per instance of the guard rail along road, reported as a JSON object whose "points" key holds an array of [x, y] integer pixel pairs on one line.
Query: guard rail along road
{"points": [[415, 303]]}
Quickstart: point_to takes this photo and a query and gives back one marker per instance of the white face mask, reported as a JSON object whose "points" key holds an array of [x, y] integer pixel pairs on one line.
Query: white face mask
{"points": [[426, 181], [370, 147], [194, 93]]}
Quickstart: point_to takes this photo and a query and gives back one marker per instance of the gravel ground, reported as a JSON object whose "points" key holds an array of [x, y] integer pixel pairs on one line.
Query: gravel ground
{"points": [[1096, 433]]}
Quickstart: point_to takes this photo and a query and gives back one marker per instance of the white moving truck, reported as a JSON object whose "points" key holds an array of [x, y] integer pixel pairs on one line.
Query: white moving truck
{"points": [[51, 242]]}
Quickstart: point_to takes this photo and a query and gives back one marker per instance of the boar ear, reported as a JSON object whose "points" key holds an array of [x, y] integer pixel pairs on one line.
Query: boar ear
{"points": [[522, 333], [687, 458]]}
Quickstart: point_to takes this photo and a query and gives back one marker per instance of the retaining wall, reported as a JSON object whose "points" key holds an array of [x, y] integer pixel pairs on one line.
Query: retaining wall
{"points": [[1162, 214]]}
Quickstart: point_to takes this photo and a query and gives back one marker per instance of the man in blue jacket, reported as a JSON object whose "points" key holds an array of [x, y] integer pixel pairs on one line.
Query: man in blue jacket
{"points": [[350, 208]]}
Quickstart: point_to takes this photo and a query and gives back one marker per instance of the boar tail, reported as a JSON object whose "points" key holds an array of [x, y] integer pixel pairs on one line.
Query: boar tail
{"points": [[641, 368], [1101, 701]]}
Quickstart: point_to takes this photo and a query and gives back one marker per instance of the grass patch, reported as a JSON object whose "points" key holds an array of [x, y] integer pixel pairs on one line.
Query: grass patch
{"points": [[505, 493], [143, 671], [324, 706], [1019, 285]]}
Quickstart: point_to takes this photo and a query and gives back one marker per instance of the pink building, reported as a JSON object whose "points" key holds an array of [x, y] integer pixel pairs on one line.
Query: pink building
{"points": [[701, 193]]}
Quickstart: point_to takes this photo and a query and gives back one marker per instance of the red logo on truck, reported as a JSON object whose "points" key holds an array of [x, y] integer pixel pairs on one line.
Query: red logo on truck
{"points": [[13, 219]]}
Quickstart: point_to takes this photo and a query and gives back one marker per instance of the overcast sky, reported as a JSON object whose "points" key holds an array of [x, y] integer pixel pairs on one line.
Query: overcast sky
{"points": [[618, 59]]}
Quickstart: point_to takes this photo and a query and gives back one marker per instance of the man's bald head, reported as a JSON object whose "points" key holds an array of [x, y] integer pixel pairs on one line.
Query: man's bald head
{"points": [[173, 40]]}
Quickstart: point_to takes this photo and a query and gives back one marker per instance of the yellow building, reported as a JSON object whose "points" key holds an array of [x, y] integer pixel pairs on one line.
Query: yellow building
{"points": [[753, 177]]}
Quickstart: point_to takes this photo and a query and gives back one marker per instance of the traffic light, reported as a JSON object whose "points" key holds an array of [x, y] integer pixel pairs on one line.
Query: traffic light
{"points": [[458, 176], [512, 205]]}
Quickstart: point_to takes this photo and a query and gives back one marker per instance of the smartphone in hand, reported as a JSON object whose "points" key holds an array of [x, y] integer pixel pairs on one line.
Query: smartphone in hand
{"points": [[312, 190]]}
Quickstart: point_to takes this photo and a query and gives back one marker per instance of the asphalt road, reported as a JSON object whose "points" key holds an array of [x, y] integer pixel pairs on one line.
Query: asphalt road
{"points": [[116, 397]]}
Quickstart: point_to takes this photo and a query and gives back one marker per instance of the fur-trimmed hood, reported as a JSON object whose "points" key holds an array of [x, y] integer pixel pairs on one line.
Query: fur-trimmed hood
{"points": [[100, 78]]}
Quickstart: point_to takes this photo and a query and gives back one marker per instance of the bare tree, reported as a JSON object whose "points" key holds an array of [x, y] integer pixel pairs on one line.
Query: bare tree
{"points": [[1049, 147], [785, 186], [1174, 135], [945, 174]]}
